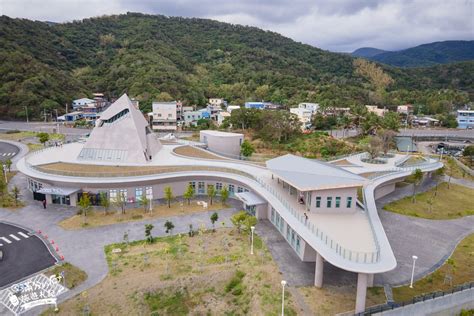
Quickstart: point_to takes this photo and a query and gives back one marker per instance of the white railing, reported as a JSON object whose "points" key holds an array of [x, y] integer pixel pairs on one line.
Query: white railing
{"points": [[351, 255]]}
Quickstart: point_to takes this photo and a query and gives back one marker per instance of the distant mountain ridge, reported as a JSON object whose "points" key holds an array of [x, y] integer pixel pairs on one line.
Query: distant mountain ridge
{"points": [[423, 55], [367, 52]]}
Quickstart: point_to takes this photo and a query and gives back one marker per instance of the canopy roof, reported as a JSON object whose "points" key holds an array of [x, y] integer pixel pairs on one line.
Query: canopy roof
{"points": [[121, 134], [309, 174]]}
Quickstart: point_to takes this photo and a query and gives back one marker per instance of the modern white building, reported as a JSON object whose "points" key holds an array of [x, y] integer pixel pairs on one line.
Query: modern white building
{"points": [[465, 118], [312, 204], [79, 103], [216, 101], [223, 143], [164, 116], [313, 107]]}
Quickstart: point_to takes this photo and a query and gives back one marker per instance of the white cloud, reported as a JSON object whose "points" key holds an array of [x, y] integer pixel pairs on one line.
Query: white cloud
{"points": [[339, 25]]}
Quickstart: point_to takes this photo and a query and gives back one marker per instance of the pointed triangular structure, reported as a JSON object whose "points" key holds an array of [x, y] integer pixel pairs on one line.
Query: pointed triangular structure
{"points": [[121, 135]]}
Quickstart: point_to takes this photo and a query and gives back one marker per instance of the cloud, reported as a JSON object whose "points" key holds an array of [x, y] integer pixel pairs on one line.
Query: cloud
{"points": [[338, 25]]}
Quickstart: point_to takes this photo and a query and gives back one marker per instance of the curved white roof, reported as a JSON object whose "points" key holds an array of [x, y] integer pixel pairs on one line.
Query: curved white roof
{"points": [[307, 174]]}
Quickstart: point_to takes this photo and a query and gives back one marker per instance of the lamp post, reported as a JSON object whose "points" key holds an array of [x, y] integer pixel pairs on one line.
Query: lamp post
{"points": [[252, 228], [5, 173], [413, 271], [283, 283]]}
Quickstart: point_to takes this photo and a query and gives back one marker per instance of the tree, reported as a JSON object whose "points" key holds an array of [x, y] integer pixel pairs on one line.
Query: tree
{"points": [[16, 194], [387, 138], [439, 173], [249, 222], [417, 177], [189, 193], [246, 149], [469, 153], [9, 163], [120, 202], [104, 201], [168, 195], [43, 138], [373, 146], [84, 205], [214, 218], [148, 236], [238, 220], [144, 201], [211, 193], [169, 227], [224, 194], [391, 121]]}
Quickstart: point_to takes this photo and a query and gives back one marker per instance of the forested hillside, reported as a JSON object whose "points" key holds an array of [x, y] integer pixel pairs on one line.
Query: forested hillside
{"points": [[428, 54], [159, 58]]}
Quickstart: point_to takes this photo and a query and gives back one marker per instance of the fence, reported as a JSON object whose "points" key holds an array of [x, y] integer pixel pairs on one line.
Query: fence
{"points": [[417, 299]]}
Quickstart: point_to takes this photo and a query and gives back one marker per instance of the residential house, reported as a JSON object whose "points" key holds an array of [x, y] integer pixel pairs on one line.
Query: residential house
{"points": [[406, 109], [191, 118], [313, 107], [217, 102], [465, 119], [304, 116], [230, 108], [79, 103], [164, 116], [374, 109], [221, 116]]}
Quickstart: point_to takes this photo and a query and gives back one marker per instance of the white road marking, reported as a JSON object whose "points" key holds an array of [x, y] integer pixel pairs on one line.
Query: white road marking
{"points": [[4, 154], [6, 240], [22, 234], [1, 245], [14, 237]]}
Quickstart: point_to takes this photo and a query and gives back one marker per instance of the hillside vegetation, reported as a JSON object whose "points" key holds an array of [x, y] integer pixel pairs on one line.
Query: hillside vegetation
{"points": [[428, 54], [152, 57]]}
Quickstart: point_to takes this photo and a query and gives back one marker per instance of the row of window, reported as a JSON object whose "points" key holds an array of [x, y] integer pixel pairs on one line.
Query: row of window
{"points": [[34, 185], [337, 202], [201, 188], [291, 236], [124, 193]]}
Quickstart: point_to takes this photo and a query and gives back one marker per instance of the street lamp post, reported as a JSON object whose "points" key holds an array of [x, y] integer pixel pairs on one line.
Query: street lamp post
{"points": [[252, 228], [413, 271], [5, 173], [283, 283], [26, 112]]}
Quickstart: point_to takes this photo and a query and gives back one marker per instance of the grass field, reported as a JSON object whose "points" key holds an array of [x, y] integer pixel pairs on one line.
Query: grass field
{"points": [[460, 266], [99, 218], [211, 273], [451, 168], [447, 204], [193, 152], [29, 138], [73, 276]]}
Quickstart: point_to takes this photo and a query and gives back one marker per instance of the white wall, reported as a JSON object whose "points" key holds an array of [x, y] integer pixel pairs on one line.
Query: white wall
{"points": [[227, 145], [342, 192]]}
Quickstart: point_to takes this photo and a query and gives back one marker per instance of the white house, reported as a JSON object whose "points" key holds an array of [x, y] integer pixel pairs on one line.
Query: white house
{"points": [[164, 116], [374, 109], [79, 103], [192, 117], [230, 108], [465, 119], [313, 107], [216, 101], [304, 115]]}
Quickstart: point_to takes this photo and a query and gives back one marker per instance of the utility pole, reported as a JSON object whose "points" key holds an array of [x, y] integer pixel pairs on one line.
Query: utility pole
{"points": [[44, 115], [57, 122], [26, 111], [66, 108]]}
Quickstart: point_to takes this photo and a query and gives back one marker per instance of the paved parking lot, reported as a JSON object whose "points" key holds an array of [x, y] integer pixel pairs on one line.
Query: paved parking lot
{"points": [[23, 254]]}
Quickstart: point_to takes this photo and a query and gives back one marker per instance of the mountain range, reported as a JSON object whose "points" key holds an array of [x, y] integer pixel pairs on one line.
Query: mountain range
{"points": [[43, 66], [421, 56]]}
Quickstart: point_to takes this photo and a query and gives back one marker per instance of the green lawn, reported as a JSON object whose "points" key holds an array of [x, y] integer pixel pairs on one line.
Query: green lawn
{"points": [[460, 266], [447, 204]]}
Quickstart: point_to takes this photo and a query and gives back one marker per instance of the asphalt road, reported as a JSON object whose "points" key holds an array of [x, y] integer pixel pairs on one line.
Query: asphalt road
{"points": [[8, 151], [23, 255], [47, 127]]}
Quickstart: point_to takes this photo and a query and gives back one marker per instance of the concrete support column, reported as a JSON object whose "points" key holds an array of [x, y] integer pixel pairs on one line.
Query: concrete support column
{"points": [[370, 280], [361, 292], [318, 270]]}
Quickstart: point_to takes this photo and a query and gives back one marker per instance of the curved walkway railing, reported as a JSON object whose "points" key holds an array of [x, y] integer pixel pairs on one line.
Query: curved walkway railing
{"points": [[348, 254]]}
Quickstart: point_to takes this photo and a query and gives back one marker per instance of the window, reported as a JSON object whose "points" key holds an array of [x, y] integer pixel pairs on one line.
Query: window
{"points": [[292, 238], [288, 232], [246, 190], [218, 187], [298, 244], [273, 215], [149, 193], [349, 202], [308, 199], [329, 202], [138, 193], [201, 188], [281, 225], [123, 194], [318, 201], [113, 195], [338, 201], [193, 185], [169, 115], [240, 190], [231, 189]]}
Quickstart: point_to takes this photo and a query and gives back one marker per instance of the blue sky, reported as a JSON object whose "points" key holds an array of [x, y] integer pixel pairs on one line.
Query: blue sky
{"points": [[337, 25]]}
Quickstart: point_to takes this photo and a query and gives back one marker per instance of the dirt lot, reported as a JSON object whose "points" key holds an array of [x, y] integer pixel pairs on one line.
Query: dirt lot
{"points": [[211, 273], [100, 218]]}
